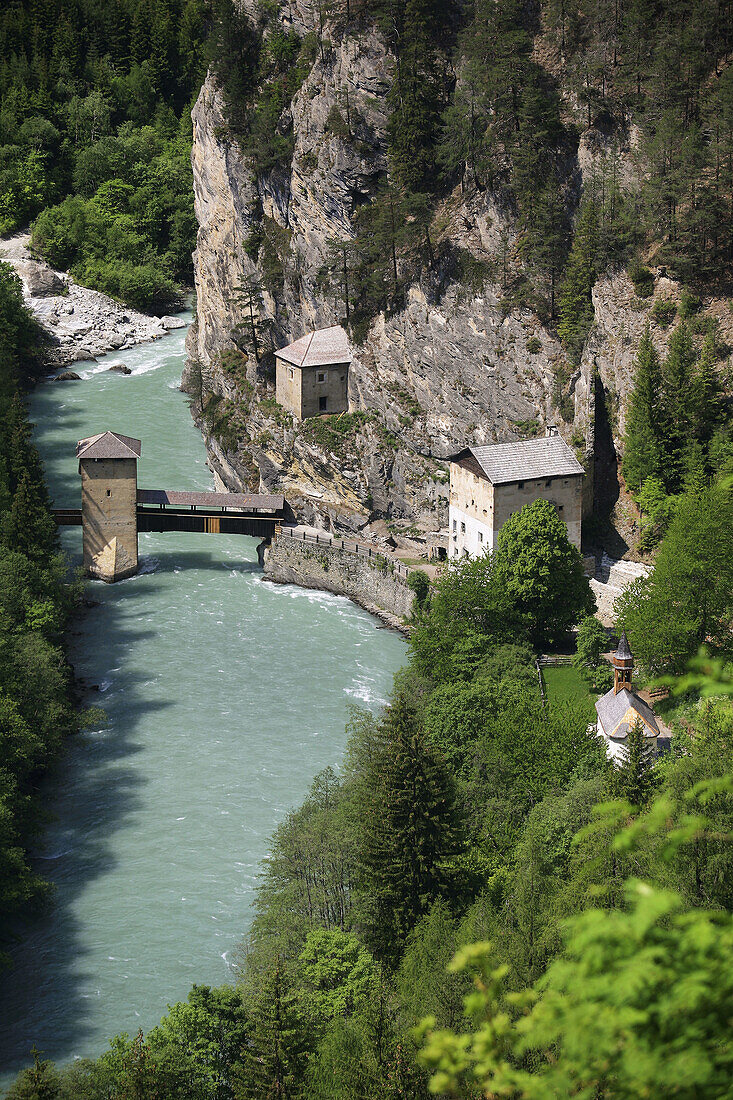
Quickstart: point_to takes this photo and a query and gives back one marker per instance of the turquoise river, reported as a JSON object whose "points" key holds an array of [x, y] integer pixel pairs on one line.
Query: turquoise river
{"points": [[224, 695]]}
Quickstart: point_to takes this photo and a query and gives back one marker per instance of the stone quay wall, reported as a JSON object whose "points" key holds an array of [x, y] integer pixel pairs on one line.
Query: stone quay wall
{"points": [[373, 579]]}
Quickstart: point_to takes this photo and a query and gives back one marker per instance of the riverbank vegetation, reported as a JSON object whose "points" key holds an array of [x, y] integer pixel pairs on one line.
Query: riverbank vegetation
{"points": [[95, 139], [35, 708], [589, 907]]}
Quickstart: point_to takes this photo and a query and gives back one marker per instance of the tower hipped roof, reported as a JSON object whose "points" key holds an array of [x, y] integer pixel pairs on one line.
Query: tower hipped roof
{"points": [[108, 445], [321, 348]]}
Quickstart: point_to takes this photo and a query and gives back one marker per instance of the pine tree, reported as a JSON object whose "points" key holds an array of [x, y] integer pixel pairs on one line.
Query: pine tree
{"points": [[411, 831], [274, 1060], [705, 398], [29, 526], [677, 378], [634, 779], [576, 303], [643, 454]]}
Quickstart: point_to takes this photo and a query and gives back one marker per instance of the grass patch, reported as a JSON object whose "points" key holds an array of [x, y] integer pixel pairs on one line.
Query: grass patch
{"points": [[565, 685]]}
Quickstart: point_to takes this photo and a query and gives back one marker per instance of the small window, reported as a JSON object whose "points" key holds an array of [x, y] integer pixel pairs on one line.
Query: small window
{"points": [[291, 372], [343, 377], [481, 536], [520, 484], [455, 524], [321, 376], [548, 483], [560, 509], [463, 528], [109, 492], [322, 404]]}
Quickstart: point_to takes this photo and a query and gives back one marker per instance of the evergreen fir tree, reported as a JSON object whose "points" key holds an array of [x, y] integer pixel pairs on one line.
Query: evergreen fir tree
{"points": [[643, 454], [274, 1060], [29, 526], [677, 374], [576, 304], [705, 398], [634, 780], [411, 831]]}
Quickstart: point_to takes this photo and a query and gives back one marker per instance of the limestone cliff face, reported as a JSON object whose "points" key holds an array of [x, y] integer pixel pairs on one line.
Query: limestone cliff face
{"points": [[451, 367]]}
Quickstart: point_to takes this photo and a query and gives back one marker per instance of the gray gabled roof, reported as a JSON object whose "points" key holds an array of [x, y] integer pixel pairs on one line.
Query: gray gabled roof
{"points": [[108, 445], [617, 713], [526, 460], [321, 348]]}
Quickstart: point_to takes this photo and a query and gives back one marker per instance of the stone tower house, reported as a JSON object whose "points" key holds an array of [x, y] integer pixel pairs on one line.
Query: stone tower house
{"points": [[108, 468], [312, 373]]}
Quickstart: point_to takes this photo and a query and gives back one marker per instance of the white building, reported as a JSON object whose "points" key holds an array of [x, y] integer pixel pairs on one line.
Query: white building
{"points": [[489, 484]]}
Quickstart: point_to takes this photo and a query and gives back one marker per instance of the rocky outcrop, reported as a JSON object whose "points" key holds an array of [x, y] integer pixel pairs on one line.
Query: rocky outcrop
{"points": [[456, 364], [453, 366], [80, 323]]}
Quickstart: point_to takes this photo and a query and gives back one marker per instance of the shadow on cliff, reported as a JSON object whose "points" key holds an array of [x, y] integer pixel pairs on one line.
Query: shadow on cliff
{"points": [[607, 489]]}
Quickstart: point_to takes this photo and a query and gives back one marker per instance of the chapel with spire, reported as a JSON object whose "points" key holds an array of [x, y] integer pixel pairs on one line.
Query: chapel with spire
{"points": [[620, 708]]}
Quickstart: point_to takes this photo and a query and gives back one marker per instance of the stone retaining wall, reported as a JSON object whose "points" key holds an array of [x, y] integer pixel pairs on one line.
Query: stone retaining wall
{"points": [[371, 582]]}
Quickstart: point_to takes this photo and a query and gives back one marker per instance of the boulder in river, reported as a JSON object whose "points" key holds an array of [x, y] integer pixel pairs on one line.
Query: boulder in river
{"points": [[68, 376], [119, 368]]}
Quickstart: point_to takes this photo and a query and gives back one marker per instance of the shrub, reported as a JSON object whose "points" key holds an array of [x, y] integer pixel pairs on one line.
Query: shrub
{"points": [[642, 278], [664, 312], [534, 345], [690, 304]]}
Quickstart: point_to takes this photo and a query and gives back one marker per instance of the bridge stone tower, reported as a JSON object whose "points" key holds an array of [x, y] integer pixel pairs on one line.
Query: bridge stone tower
{"points": [[108, 468]]}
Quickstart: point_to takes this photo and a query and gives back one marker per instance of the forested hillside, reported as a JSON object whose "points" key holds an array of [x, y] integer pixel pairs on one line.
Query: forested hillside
{"points": [[588, 907], [95, 137], [35, 681]]}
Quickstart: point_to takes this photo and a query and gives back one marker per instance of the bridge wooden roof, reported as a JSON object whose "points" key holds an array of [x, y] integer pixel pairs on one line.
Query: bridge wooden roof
{"points": [[244, 502]]}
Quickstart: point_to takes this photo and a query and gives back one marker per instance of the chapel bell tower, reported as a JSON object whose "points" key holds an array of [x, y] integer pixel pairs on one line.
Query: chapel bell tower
{"points": [[623, 666]]}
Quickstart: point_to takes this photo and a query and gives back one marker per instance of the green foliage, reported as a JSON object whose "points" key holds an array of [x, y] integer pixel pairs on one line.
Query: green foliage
{"points": [[687, 600], [675, 421], [336, 975], [35, 710], [576, 307], [95, 137], [419, 582], [592, 643], [542, 573], [635, 1003], [410, 833], [664, 312]]}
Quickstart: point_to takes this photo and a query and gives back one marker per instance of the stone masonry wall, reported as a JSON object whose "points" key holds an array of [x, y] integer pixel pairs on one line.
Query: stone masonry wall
{"points": [[369, 582]]}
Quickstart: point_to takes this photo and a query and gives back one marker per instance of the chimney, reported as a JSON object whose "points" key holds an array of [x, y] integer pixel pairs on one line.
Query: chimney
{"points": [[551, 429]]}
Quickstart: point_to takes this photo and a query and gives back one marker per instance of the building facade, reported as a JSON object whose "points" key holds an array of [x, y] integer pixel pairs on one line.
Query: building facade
{"points": [[108, 468], [489, 484], [312, 374]]}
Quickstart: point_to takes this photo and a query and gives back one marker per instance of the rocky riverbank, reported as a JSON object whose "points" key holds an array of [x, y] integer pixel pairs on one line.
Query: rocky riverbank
{"points": [[80, 323]]}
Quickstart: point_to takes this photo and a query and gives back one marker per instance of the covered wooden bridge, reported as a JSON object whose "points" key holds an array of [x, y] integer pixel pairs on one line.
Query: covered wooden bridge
{"points": [[113, 510]]}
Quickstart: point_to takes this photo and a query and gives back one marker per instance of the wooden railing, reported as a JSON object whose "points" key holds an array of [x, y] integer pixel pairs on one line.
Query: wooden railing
{"points": [[351, 546], [553, 660]]}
